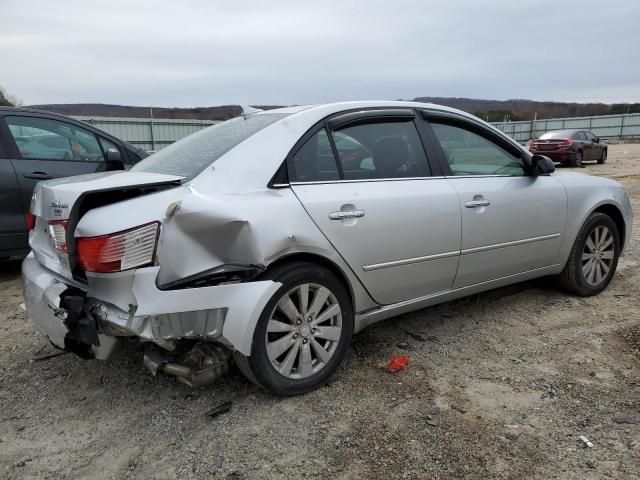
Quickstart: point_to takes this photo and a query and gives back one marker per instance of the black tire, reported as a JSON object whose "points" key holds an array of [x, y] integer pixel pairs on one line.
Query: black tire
{"points": [[572, 278], [603, 156], [577, 161], [259, 369]]}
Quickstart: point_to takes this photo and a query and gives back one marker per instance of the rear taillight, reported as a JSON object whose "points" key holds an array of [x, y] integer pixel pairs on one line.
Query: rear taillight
{"points": [[31, 218], [565, 143], [119, 251], [58, 233], [31, 221]]}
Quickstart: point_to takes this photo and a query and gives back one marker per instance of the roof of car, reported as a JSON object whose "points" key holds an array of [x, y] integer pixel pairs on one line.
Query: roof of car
{"points": [[241, 169], [339, 106]]}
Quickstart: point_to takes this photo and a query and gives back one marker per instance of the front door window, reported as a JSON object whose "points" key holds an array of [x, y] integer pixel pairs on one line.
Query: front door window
{"points": [[471, 154], [46, 139]]}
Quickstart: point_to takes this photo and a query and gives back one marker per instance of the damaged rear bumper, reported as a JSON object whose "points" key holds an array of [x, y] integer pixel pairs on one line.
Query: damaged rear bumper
{"points": [[226, 314]]}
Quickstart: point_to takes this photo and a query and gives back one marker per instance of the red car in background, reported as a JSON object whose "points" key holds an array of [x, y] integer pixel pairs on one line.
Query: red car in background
{"points": [[570, 146]]}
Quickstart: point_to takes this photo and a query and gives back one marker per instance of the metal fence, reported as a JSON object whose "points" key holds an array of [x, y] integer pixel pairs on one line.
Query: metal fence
{"points": [[154, 134], [605, 126], [147, 133]]}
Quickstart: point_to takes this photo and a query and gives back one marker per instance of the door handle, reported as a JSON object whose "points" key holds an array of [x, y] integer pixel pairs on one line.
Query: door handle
{"points": [[38, 175], [477, 203], [340, 215]]}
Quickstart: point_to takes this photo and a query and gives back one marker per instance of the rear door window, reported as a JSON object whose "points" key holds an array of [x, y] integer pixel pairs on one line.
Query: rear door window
{"points": [[381, 150], [46, 139]]}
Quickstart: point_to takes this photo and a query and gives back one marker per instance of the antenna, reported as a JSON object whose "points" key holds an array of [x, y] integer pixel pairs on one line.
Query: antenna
{"points": [[247, 110]]}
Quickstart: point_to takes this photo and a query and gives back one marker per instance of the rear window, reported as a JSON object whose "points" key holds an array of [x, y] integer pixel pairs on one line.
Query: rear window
{"points": [[192, 154], [564, 134]]}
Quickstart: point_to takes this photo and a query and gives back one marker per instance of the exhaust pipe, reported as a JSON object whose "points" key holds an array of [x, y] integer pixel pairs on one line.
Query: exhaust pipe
{"points": [[202, 365]]}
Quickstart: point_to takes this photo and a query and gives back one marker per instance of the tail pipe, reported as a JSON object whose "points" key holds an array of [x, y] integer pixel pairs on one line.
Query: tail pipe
{"points": [[203, 364]]}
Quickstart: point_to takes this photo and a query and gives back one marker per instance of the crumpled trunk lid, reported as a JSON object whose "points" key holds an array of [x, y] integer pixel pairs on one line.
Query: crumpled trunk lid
{"points": [[70, 198]]}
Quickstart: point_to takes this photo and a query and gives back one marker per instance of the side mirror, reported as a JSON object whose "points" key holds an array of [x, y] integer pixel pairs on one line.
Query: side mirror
{"points": [[542, 165], [114, 159], [597, 140]]}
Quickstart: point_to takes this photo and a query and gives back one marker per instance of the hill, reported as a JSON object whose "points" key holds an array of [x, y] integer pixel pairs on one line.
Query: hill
{"points": [[223, 112], [520, 109], [491, 110]]}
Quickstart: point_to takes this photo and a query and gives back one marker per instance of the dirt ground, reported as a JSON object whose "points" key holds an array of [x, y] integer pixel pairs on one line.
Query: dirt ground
{"points": [[499, 385]]}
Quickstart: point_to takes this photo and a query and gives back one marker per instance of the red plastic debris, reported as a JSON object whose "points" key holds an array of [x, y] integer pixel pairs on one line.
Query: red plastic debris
{"points": [[398, 363]]}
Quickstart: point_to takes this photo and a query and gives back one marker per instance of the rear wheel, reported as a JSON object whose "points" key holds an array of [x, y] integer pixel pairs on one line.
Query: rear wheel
{"points": [[603, 156], [303, 333], [577, 160], [593, 258]]}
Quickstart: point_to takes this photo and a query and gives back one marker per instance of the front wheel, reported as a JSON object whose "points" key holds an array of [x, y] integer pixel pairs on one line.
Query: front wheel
{"points": [[593, 258], [603, 156], [303, 333]]}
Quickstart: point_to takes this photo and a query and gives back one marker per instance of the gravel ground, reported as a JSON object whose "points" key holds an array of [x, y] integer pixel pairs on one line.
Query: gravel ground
{"points": [[499, 385]]}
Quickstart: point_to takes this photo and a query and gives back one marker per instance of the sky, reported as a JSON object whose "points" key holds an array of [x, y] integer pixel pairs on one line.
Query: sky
{"points": [[202, 53]]}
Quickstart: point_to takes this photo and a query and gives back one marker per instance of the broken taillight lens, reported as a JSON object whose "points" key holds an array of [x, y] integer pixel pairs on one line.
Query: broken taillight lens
{"points": [[119, 251], [58, 233]]}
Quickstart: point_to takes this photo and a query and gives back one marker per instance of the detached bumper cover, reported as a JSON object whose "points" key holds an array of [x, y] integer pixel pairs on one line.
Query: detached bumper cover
{"points": [[42, 290], [226, 313]]}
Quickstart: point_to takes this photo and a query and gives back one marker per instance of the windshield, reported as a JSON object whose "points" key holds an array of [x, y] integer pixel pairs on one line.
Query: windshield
{"points": [[189, 156], [557, 134]]}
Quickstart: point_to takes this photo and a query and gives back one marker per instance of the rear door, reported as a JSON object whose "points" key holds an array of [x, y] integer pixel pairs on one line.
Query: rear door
{"points": [[43, 148], [393, 218], [13, 236], [511, 222]]}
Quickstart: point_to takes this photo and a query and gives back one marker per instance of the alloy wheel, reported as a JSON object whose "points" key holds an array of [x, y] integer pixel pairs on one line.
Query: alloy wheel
{"points": [[578, 159], [304, 330], [598, 255]]}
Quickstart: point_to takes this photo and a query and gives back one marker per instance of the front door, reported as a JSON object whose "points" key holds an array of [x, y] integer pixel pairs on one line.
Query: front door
{"points": [[396, 226], [585, 145], [594, 147], [511, 222]]}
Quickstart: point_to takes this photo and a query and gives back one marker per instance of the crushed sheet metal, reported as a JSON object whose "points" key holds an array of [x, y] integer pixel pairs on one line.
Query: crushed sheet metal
{"points": [[162, 329], [244, 303], [152, 301]]}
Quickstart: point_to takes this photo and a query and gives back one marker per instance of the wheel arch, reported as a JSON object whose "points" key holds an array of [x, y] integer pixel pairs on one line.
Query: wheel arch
{"points": [[592, 201], [314, 258], [615, 214]]}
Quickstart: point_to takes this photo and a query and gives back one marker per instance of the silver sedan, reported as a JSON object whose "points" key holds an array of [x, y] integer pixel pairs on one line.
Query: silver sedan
{"points": [[269, 239]]}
